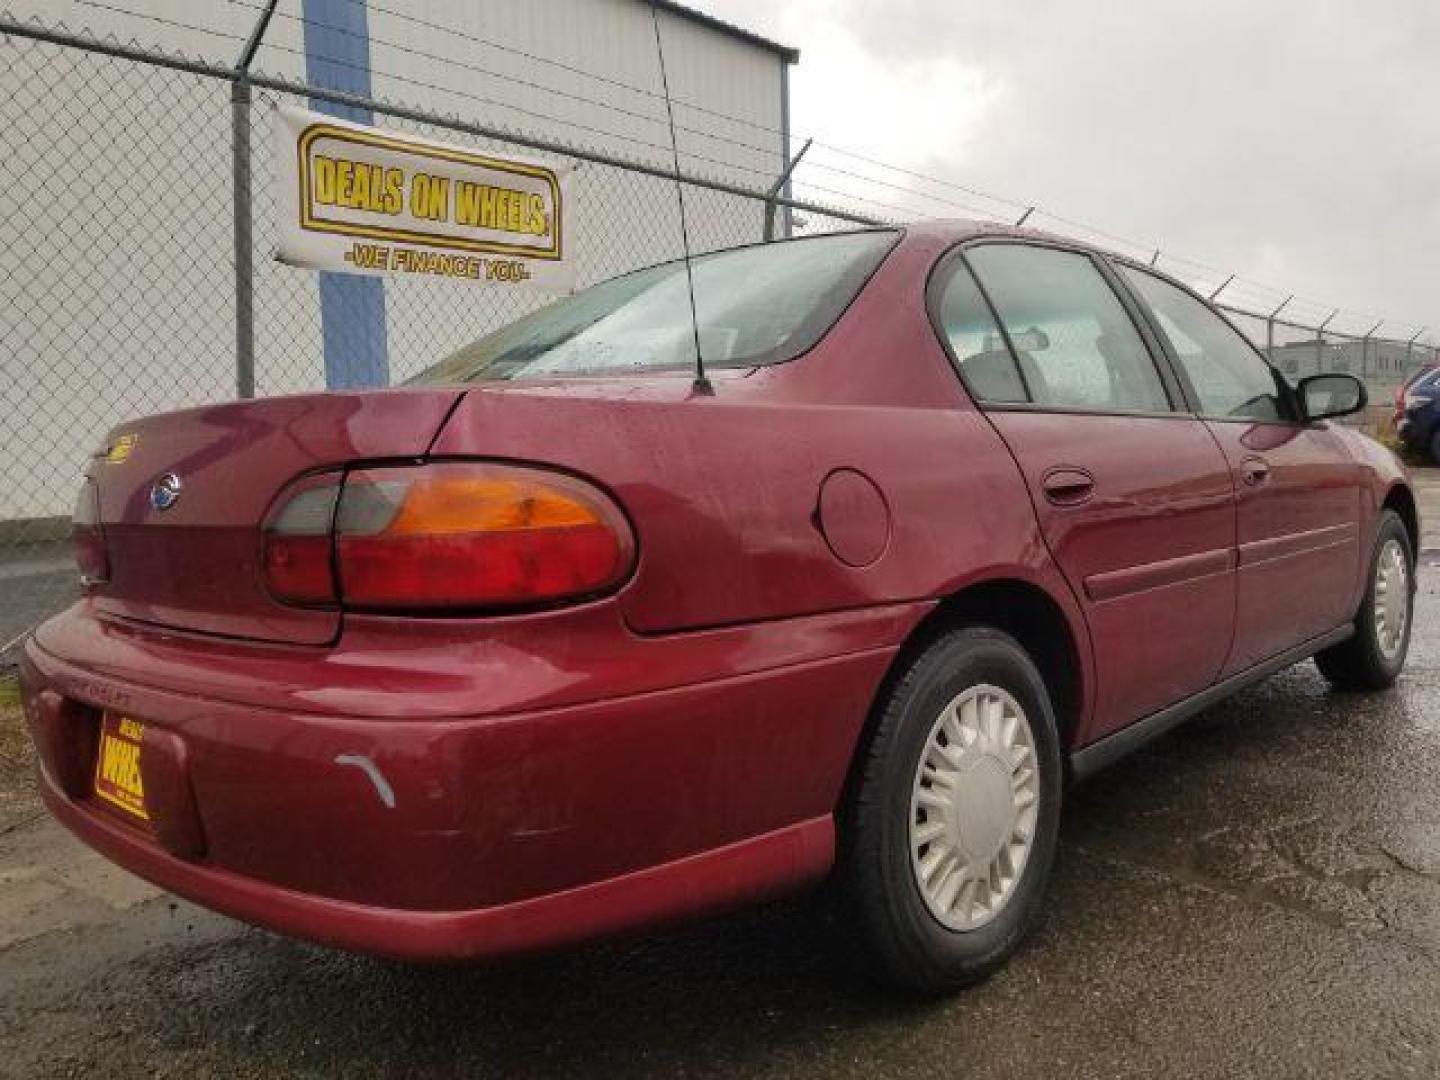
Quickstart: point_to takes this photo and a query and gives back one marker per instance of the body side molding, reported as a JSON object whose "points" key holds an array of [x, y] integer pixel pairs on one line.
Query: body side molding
{"points": [[1089, 760]]}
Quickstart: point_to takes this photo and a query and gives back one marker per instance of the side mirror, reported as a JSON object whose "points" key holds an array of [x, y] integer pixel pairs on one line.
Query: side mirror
{"points": [[1324, 396]]}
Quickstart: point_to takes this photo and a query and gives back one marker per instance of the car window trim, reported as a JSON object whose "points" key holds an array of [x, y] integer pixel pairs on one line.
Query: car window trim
{"points": [[1172, 389], [1084, 410], [1172, 356]]}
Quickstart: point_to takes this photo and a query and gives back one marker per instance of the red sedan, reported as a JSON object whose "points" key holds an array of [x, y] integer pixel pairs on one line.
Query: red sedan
{"points": [[558, 640]]}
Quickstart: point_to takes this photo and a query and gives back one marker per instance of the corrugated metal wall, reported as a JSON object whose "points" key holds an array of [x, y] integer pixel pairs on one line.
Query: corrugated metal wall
{"points": [[121, 300]]}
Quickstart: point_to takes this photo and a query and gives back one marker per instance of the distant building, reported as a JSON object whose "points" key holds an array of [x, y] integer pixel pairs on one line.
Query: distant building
{"points": [[1378, 362], [120, 297]]}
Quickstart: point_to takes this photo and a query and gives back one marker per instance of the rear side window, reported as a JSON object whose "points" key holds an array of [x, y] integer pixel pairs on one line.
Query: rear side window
{"points": [[1074, 342], [754, 305], [975, 341], [1228, 375]]}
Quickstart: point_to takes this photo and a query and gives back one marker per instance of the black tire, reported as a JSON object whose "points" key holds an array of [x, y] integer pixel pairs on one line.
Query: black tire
{"points": [[911, 947], [1435, 447], [1359, 663]]}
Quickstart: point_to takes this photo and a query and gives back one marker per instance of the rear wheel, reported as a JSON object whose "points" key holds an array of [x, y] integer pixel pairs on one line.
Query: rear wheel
{"points": [[1435, 447], [952, 826], [1373, 657]]}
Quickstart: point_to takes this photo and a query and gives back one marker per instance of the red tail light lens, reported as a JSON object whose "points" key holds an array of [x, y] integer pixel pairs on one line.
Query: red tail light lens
{"points": [[87, 538], [446, 536], [297, 554]]}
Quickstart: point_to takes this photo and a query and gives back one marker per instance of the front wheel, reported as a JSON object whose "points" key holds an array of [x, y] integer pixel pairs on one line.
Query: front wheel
{"points": [[952, 826], [1373, 657]]}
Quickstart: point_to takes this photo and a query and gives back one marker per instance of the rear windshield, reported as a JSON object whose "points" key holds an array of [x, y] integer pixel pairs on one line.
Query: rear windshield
{"points": [[754, 305]]}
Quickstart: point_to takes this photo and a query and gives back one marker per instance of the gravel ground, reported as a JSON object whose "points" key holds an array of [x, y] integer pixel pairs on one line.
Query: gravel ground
{"points": [[1256, 895]]}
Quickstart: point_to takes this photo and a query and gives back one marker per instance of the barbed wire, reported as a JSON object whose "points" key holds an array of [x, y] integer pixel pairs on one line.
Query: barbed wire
{"points": [[1194, 270], [147, 290], [161, 20], [766, 151]]}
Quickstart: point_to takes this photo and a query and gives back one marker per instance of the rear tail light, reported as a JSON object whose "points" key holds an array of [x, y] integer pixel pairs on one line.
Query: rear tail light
{"points": [[451, 535], [297, 556], [87, 538]]}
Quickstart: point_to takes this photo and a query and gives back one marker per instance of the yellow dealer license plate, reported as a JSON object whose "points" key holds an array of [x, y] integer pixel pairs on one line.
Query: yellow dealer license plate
{"points": [[117, 766]]}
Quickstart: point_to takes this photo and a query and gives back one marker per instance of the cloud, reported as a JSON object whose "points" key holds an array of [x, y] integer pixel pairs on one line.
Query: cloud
{"points": [[1293, 141]]}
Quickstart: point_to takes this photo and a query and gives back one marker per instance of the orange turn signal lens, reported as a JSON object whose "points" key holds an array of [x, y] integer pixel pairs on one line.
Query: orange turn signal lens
{"points": [[443, 505]]}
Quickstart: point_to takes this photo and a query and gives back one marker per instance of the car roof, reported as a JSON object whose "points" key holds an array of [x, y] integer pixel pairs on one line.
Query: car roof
{"points": [[959, 230], [949, 231]]}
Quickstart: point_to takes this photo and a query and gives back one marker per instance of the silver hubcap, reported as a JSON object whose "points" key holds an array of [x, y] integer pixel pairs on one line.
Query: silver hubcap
{"points": [[1392, 599], [973, 807]]}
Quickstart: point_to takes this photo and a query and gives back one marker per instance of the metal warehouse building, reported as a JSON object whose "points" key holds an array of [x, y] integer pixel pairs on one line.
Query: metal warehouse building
{"points": [[117, 210]]}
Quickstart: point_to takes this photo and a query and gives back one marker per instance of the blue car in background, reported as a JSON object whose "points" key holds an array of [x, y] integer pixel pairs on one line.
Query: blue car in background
{"points": [[1417, 413]]}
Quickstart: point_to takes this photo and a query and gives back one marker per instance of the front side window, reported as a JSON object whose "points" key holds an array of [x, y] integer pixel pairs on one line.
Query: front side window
{"points": [[1074, 342], [754, 305], [1230, 379]]}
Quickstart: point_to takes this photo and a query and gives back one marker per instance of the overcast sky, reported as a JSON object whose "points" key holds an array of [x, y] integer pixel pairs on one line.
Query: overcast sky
{"points": [[1292, 140]]}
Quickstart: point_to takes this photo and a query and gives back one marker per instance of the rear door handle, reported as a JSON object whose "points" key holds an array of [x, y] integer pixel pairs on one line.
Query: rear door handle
{"points": [[1068, 487], [1254, 472]]}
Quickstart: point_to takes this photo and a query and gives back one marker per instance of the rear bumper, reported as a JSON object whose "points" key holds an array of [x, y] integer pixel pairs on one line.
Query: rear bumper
{"points": [[748, 870], [465, 836]]}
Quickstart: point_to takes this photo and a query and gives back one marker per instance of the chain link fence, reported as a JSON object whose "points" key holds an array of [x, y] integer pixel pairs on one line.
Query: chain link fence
{"points": [[119, 284], [108, 311]]}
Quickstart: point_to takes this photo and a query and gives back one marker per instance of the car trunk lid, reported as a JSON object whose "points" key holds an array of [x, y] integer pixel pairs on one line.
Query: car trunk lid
{"points": [[194, 564]]}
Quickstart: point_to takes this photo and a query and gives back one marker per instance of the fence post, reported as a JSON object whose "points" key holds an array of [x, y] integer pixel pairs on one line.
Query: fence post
{"points": [[1365, 350], [1410, 348], [240, 96], [781, 182], [1270, 328], [244, 251], [1320, 341]]}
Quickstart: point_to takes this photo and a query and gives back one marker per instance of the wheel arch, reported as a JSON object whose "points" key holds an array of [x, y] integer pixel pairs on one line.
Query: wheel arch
{"points": [[1402, 500], [1020, 608]]}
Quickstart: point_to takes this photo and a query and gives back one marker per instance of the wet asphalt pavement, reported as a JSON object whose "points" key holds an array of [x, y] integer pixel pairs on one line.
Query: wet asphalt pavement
{"points": [[36, 580], [1256, 895]]}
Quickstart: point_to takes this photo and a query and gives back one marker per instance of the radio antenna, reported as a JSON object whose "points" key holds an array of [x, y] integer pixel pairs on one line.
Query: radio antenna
{"points": [[701, 384]]}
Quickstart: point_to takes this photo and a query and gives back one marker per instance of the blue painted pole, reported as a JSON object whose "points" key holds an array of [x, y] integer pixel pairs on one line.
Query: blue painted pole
{"points": [[352, 307]]}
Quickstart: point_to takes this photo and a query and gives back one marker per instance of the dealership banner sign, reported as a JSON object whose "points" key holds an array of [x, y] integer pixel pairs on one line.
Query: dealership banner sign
{"points": [[359, 199]]}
